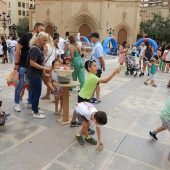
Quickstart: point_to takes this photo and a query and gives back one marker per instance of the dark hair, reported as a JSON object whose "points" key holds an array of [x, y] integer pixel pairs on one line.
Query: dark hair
{"points": [[168, 47], [3, 39], [101, 117], [38, 24], [13, 38], [67, 33], [56, 34], [56, 60], [124, 43], [88, 64], [55, 37], [147, 46]]}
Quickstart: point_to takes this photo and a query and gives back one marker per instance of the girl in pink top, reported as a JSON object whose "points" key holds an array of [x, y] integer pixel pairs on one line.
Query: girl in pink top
{"points": [[122, 53], [157, 57]]}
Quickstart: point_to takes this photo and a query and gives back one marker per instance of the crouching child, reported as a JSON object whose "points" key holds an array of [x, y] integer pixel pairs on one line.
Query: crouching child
{"points": [[85, 112]]}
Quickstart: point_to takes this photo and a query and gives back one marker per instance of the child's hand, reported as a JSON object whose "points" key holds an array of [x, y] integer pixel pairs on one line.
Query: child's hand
{"points": [[117, 71], [100, 147]]}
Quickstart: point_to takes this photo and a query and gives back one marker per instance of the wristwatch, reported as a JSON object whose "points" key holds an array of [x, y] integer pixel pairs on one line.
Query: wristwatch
{"points": [[16, 63]]}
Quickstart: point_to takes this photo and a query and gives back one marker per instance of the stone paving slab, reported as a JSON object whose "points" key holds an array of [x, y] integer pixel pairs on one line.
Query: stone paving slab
{"points": [[143, 150]]}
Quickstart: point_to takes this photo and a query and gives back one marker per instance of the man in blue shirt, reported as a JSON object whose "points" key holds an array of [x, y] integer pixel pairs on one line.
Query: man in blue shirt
{"points": [[97, 55]]}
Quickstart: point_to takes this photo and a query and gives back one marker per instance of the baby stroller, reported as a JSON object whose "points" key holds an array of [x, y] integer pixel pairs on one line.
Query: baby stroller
{"points": [[131, 66]]}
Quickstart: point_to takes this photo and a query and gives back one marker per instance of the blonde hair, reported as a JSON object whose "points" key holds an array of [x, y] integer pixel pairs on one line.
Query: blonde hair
{"points": [[50, 41], [36, 37]]}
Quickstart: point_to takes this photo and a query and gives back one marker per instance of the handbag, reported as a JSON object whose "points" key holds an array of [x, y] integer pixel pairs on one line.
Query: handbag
{"points": [[13, 79]]}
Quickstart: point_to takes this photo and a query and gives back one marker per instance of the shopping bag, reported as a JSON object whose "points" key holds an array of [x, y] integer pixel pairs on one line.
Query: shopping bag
{"points": [[13, 79]]}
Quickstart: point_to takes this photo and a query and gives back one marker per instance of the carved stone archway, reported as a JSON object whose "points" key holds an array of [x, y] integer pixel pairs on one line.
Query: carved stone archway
{"points": [[78, 21], [84, 30], [48, 27]]}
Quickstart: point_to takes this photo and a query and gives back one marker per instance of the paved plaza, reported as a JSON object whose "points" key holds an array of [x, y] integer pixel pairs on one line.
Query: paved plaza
{"points": [[133, 109]]}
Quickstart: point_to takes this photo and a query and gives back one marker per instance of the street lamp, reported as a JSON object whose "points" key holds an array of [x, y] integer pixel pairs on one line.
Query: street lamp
{"points": [[54, 29], [5, 20], [110, 32], [14, 27]]}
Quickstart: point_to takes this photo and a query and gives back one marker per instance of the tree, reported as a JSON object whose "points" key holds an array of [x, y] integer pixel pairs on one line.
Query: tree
{"points": [[157, 28], [23, 26]]}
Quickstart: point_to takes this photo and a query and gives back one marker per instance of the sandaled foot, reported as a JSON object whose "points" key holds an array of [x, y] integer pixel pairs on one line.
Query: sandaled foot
{"points": [[80, 140], [61, 112], [154, 85], [45, 98], [91, 141], [145, 83]]}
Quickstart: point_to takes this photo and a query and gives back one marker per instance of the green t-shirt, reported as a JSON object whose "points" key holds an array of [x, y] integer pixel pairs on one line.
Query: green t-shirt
{"points": [[165, 111], [89, 86], [153, 69]]}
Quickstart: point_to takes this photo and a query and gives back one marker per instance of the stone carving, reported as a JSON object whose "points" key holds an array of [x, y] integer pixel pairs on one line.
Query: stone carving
{"points": [[124, 15], [84, 6], [48, 12]]}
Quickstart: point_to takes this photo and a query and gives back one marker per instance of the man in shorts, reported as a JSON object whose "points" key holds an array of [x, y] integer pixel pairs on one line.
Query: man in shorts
{"points": [[165, 118], [97, 55], [142, 49]]}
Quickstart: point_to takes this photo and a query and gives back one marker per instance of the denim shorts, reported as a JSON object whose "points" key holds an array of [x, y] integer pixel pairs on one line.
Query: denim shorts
{"points": [[80, 117]]}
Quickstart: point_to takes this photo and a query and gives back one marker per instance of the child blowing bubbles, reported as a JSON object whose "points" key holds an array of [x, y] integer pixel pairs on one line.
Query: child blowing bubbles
{"points": [[57, 90], [152, 72]]}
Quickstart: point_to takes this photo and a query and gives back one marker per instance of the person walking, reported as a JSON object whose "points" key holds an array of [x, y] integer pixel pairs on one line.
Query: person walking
{"points": [[21, 55], [35, 70], [4, 44], [76, 61], [97, 55], [12, 48], [141, 55], [123, 50]]}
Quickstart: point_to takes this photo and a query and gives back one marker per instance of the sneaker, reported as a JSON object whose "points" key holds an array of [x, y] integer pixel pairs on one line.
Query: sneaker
{"points": [[168, 86], [145, 83], [5, 114], [99, 101], [141, 74], [40, 111], [91, 141], [29, 106], [91, 131], [17, 108], [154, 85], [153, 136], [75, 124], [80, 140], [93, 100], [39, 116]]}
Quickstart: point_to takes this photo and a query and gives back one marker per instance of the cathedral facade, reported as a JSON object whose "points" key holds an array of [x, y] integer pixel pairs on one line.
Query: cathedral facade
{"points": [[86, 16]]}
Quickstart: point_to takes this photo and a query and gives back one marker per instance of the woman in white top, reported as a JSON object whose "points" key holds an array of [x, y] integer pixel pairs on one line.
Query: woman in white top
{"points": [[51, 52], [1, 53], [12, 46]]}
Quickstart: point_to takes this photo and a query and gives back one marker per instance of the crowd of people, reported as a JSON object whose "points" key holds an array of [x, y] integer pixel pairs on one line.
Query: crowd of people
{"points": [[36, 55]]}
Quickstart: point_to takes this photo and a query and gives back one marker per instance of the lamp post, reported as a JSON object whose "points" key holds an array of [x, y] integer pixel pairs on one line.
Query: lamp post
{"points": [[14, 27], [54, 29], [5, 20], [110, 32]]}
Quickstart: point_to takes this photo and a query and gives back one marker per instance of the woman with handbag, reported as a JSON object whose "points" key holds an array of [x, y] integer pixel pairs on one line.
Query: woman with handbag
{"points": [[51, 52], [76, 61], [35, 70]]}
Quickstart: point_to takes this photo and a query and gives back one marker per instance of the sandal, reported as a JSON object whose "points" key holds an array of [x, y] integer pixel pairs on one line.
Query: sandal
{"points": [[45, 98], [61, 112]]}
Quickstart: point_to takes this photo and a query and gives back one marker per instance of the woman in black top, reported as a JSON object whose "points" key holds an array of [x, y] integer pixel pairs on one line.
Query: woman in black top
{"points": [[35, 69], [4, 49]]}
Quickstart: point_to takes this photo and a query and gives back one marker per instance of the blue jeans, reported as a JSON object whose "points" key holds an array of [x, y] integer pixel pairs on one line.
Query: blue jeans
{"points": [[18, 89], [36, 87]]}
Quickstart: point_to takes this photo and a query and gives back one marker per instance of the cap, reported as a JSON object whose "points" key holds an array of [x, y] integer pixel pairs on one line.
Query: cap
{"points": [[95, 34]]}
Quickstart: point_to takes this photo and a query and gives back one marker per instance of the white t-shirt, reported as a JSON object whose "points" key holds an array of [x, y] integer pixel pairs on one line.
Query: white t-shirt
{"points": [[61, 44], [142, 49], [54, 75], [85, 109], [1, 49], [7, 42], [167, 55], [12, 43], [52, 57]]}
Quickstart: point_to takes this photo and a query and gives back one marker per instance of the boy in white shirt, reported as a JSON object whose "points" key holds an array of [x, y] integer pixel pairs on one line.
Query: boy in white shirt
{"points": [[85, 112]]}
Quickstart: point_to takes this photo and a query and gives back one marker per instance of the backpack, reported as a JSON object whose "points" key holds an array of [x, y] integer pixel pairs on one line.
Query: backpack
{"points": [[164, 55], [13, 79]]}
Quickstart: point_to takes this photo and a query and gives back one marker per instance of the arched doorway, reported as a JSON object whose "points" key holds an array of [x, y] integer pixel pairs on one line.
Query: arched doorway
{"points": [[84, 30], [122, 36], [49, 30]]}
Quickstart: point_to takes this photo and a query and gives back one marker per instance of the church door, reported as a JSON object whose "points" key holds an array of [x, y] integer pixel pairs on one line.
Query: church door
{"points": [[49, 30], [122, 36], [84, 30]]}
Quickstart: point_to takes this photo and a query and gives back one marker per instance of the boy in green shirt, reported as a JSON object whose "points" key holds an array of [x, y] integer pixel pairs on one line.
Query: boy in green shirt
{"points": [[89, 86], [165, 118]]}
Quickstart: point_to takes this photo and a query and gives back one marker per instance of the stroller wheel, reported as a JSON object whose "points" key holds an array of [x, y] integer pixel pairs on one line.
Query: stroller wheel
{"points": [[126, 73], [131, 73], [135, 75]]}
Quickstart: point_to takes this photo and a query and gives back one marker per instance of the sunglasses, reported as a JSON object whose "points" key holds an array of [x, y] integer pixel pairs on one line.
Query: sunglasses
{"points": [[90, 62]]}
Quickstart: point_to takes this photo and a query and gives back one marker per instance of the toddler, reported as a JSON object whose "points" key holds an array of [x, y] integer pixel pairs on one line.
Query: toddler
{"points": [[57, 90], [152, 72]]}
